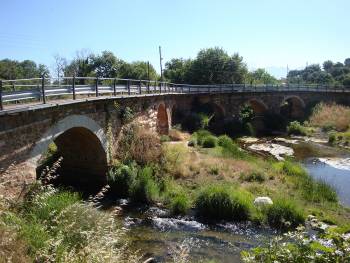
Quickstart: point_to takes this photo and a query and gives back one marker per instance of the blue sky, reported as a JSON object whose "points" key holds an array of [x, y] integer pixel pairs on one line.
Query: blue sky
{"points": [[267, 33]]}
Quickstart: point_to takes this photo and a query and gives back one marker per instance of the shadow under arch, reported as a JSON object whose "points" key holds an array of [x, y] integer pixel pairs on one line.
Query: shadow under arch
{"points": [[82, 144], [293, 107], [258, 106]]}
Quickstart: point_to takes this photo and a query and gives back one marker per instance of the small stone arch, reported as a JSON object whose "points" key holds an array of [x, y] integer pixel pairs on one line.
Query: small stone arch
{"points": [[258, 106], [292, 107], [162, 119], [83, 145]]}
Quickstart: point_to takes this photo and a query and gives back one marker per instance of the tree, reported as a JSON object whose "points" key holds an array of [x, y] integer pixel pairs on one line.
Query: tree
{"points": [[177, 70], [215, 66], [106, 65], [60, 63], [261, 76], [81, 65], [347, 62], [328, 65], [138, 70], [13, 69]]}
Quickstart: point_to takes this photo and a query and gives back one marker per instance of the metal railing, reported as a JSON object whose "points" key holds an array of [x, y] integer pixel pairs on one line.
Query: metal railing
{"points": [[44, 89]]}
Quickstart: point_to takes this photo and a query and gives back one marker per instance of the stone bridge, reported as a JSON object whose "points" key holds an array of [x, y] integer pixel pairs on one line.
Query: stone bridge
{"points": [[85, 130]]}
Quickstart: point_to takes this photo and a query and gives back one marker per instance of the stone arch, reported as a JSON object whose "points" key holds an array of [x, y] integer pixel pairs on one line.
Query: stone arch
{"points": [[83, 145], [258, 106], [292, 107], [162, 119]]}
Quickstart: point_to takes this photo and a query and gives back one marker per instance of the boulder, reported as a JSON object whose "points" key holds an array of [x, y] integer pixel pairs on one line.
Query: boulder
{"points": [[262, 201]]}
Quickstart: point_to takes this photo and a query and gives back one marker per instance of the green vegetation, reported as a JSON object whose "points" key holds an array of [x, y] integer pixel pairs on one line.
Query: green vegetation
{"points": [[121, 178], [254, 176], [223, 202], [144, 189], [57, 226], [311, 190], [209, 141], [284, 214], [332, 73], [296, 128], [301, 249]]}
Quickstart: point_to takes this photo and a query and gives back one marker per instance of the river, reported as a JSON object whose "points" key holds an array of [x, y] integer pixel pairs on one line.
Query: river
{"points": [[150, 229]]}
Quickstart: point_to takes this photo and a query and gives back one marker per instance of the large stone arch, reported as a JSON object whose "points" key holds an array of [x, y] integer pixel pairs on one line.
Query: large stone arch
{"points": [[292, 107], [163, 120], [83, 145], [258, 106]]}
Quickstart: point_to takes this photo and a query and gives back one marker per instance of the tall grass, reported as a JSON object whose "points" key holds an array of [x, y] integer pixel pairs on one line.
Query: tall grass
{"points": [[284, 214], [330, 115], [144, 189], [57, 226], [223, 202], [311, 189]]}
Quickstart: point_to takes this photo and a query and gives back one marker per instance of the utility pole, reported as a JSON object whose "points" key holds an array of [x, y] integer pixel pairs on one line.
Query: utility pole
{"points": [[160, 61], [148, 70]]}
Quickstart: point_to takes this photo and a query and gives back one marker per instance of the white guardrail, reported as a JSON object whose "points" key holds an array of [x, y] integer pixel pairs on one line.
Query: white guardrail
{"points": [[42, 89]]}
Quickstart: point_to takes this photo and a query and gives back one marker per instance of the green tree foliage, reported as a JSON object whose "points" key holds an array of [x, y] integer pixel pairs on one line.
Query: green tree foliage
{"points": [[13, 69], [211, 66], [108, 65], [332, 73], [177, 70], [261, 76], [137, 70]]}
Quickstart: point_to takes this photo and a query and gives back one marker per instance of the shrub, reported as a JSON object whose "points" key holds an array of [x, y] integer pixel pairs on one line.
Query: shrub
{"points": [[332, 138], [144, 189], [179, 204], [301, 247], [222, 202], [209, 141], [126, 114], [121, 178], [331, 115], [284, 214], [224, 141], [296, 128], [254, 176], [201, 135]]}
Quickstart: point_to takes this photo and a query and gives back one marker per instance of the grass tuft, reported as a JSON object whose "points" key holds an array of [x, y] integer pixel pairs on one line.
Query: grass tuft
{"points": [[284, 214], [223, 202]]}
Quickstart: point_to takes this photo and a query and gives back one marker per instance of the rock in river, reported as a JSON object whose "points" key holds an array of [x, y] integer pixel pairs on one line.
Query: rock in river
{"points": [[275, 150], [263, 201]]}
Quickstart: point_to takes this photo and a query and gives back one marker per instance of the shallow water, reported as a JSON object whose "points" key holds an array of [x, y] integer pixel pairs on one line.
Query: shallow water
{"points": [[338, 178], [163, 238]]}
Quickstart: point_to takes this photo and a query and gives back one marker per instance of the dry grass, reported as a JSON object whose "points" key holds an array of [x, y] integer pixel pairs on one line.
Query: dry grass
{"points": [[12, 249], [331, 116], [176, 135], [138, 144]]}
